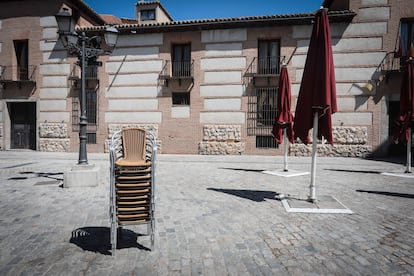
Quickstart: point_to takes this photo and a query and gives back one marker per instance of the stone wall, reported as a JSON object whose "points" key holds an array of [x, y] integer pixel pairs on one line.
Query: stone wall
{"points": [[348, 142], [54, 137], [113, 128], [221, 140]]}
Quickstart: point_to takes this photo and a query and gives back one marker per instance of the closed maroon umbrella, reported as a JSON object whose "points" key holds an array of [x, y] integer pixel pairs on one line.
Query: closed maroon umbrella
{"points": [[283, 125], [317, 94], [317, 91], [406, 114], [284, 117]]}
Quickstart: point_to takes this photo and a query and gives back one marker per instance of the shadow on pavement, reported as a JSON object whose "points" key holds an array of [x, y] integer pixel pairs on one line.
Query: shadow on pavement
{"points": [[353, 171], [97, 239], [245, 170], [253, 195], [387, 193]]}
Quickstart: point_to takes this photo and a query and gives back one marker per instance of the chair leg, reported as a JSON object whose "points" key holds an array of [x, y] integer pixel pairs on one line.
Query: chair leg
{"points": [[114, 237]]}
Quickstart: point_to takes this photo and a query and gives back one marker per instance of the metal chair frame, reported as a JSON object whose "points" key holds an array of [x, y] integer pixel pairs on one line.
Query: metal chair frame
{"points": [[116, 152]]}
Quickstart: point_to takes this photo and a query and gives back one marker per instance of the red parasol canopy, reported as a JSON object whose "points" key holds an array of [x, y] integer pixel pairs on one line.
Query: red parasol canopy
{"points": [[284, 117], [406, 115], [318, 91]]}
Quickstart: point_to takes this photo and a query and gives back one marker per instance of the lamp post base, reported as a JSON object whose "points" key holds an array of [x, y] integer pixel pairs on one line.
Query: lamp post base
{"points": [[81, 176]]}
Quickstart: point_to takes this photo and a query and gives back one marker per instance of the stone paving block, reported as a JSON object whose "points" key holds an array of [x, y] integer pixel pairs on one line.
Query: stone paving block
{"points": [[210, 220]]}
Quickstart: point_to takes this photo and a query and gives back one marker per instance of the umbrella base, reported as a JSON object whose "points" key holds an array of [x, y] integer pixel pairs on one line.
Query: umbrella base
{"points": [[286, 173], [324, 205], [400, 174]]}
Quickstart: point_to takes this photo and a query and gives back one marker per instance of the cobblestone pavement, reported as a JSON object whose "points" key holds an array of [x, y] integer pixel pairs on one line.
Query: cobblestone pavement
{"points": [[215, 215]]}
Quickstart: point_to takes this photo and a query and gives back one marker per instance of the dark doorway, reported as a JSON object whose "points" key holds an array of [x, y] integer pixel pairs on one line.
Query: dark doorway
{"points": [[393, 111], [23, 125]]}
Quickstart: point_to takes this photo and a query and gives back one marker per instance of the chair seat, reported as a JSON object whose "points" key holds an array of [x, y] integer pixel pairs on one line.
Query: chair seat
{"points": [[132, 163], [132, 222], [134, 192], [132, 185], [133, 177]]}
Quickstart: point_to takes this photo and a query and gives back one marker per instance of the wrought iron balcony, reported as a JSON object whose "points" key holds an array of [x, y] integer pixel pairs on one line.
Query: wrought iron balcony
{"points": [[264, 67], [17, 74], [178, 70]]}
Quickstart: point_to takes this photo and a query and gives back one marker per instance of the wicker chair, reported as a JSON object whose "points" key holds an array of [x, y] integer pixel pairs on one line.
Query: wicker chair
{"points": [[132, 179]]}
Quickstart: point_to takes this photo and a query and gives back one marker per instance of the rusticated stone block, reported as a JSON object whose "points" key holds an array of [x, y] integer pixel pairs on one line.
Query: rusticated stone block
{"points": [[350, 135], [221, 133], [53, 130], [331, 151], [112, 128], [54, 145], [221, 148]]}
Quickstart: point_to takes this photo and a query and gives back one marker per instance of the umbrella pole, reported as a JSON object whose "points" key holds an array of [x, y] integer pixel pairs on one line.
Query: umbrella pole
{"points": [[312, 196], [408, 170], [285, 146]]}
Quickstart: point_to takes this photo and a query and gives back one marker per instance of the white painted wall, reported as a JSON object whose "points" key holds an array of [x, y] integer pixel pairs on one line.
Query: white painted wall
{"points": [[222, 104], [222, 117], [134, 66], [133, 117], [132, 92], [223, 63], [221, 90], [133, 104], [134, 53], [224, 49], [180, 112], [223, 77], [226, 35]]}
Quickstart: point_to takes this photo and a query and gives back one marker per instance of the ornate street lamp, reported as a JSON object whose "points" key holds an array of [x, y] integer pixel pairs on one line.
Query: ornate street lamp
{"points": [[86, 49]]}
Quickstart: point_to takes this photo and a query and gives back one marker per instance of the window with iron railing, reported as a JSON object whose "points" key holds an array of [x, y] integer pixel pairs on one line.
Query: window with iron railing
{"points": [[91, 114], [268, 61], [181, 60], [262, 107]]}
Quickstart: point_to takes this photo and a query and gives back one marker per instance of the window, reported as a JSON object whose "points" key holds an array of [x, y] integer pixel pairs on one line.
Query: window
{"points": [[268, 57], [181, 98], [406, 48], [147, 15], [181, 60], [266, 106], [266, 142], [91, 115], [21, 48]]}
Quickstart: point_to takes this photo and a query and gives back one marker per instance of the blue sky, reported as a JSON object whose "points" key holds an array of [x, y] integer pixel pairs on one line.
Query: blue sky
{"points": [[201, 9]]}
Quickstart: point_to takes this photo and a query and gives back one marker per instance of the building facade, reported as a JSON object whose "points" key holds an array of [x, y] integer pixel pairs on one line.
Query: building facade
{"points": [[206, 86]]}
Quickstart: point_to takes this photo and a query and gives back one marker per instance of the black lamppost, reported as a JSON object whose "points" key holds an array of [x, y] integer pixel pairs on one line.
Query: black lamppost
{"points": [[86, 49]]}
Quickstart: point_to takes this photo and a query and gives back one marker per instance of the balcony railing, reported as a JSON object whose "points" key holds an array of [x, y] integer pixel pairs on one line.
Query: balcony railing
{"points": [[17, 73], [178, 70], [91, 73], [264, 66]]}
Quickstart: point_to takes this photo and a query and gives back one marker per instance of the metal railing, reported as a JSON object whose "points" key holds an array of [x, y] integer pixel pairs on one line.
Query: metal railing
{"points": [[91, 73], [17, 73], [265, 66], [178, 69]]}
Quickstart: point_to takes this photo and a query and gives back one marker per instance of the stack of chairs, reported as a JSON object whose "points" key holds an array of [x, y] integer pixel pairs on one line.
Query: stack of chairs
{"points": [[132, 179]]}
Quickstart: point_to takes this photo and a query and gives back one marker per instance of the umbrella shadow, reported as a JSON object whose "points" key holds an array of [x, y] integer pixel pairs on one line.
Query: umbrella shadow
{"points": [[97, 239], [30, 174], [387, 193], [241, 169], [353, 171], [254, 195]]}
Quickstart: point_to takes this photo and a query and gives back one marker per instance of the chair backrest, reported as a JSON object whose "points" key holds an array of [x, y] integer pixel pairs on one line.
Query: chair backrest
{"points": [[134, 143]]}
